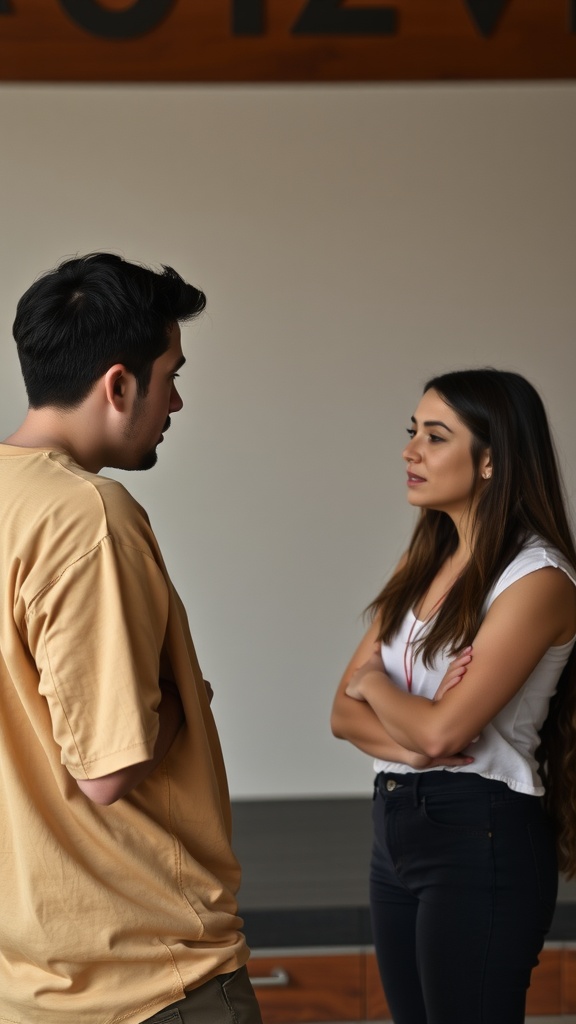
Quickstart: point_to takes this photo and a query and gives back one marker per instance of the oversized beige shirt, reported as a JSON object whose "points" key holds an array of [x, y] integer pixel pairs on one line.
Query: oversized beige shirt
{"points": [[107, 914]]}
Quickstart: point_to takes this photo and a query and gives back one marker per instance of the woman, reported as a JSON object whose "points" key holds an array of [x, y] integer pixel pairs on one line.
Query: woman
{"points": [[449, 690]]}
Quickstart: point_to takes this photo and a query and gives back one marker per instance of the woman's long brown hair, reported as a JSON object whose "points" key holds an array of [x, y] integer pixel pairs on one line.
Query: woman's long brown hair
{"points": [[524, 497]]}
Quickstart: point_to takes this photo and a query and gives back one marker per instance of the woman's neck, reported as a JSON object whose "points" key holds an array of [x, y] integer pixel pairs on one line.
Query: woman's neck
{"points": [[447, 575]]}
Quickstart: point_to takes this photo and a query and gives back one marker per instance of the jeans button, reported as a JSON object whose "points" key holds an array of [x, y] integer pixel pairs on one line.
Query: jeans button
{"points": [[390, 785]]}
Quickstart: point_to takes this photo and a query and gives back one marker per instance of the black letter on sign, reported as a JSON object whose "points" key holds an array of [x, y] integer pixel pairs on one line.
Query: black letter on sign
{"points": [[142, 17], [326, 17], [486, 13], [247, 17]]}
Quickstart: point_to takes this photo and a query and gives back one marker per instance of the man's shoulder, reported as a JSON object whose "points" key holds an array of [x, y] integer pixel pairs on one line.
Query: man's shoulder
{"points": [[115, 498], [122, 517], [54, 500]]}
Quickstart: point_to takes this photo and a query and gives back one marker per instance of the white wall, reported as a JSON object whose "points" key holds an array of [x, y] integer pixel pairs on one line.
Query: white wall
{"points": [[352, 241]]}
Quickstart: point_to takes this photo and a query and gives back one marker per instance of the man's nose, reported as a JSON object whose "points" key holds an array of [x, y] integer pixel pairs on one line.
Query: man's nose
{"points": [[176, 402]]}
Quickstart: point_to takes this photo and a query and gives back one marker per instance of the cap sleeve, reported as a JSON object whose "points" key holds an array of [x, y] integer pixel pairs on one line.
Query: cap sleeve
{"points": [[535, 555]]}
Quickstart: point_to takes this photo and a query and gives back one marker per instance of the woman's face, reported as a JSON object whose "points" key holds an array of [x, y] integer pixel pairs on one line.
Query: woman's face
{"points": [[438, 455]]}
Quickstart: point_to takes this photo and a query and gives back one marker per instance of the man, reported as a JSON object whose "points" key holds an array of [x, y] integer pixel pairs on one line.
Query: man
{"points": [[117, 888]]}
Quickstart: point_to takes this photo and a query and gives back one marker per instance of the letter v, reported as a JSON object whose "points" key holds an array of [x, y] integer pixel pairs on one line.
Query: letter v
{"points": [[486, 13]]}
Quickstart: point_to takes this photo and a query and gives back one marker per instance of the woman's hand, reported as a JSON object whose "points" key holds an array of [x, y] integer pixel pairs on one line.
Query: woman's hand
{"points": [[374, 664], [421, 761], [454, 673]]}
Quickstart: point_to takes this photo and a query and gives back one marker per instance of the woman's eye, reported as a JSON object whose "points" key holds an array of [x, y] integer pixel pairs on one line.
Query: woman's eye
{"points": [[434, 438], [411, 432]]}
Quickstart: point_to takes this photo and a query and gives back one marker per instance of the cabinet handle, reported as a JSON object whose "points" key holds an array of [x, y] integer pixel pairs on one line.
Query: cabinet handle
{"points": [[278, 978]]}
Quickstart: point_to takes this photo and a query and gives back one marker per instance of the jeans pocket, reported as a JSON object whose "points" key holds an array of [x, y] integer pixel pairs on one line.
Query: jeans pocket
{"points": [[460, 815], [239, 997]]}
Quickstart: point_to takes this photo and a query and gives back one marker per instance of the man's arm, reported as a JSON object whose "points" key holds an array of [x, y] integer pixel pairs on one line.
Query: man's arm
{"points": [[109, 788]]}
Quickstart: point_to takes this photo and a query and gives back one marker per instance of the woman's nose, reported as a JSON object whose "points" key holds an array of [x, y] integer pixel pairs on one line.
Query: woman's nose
{"points": [[410, 453]]}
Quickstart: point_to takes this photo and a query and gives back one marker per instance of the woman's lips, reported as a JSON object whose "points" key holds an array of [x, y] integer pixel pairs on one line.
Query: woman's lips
{"points": [[413, 479]]}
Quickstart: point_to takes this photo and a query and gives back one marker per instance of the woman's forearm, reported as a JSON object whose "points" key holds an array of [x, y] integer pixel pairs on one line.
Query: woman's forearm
{"points": [[356, 722], [408, 719]]}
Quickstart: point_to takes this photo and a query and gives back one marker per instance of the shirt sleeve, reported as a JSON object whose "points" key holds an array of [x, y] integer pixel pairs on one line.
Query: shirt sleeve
{"points": [[96, 634], [531, 558]]}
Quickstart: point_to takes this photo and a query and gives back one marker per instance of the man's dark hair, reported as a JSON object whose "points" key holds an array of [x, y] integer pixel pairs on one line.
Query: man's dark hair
{"points": [[78, 320]]}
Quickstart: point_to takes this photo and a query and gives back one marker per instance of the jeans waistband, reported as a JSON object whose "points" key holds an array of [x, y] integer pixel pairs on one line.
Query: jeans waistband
{"points": [[388, 782]]}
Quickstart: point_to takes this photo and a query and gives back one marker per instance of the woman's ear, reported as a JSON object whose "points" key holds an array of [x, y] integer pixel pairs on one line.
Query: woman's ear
{"points": [[486, 465]]}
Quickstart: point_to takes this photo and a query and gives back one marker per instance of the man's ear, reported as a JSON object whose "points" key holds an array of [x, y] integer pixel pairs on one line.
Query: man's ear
{"points": [[119, 385]]}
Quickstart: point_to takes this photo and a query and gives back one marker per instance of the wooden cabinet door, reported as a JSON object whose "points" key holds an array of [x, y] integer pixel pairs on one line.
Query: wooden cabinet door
{"points": [[376, 1005], [293, 989], [545, 992], [569, 980]]}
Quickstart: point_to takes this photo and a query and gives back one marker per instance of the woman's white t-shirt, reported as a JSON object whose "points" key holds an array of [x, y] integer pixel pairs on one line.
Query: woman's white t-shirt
{"points": [[505, 749]]}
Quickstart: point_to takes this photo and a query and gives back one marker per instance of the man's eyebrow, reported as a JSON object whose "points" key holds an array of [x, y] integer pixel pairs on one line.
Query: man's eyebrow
{"points": [[178, 365], [433, 423]]}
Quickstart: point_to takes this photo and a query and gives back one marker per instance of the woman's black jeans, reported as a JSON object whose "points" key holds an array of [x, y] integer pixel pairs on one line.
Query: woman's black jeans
{"points": [[462, 888]]}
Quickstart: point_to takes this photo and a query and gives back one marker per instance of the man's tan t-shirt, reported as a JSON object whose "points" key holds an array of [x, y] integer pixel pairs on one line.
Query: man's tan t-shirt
{"points": [[107, 914]]}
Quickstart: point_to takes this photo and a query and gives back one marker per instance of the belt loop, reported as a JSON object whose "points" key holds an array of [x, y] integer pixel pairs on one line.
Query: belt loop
{"points": [[416, 789]]}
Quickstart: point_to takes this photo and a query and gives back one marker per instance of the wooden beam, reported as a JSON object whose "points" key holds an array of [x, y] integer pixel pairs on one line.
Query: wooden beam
{"points": [[286, 40]]}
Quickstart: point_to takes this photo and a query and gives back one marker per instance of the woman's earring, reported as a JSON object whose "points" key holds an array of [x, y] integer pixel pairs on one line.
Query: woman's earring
{"points": [[486, 474]]}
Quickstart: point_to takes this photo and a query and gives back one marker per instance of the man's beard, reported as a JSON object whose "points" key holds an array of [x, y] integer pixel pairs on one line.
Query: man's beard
{"points": [[150, 458], [147, 461]]}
